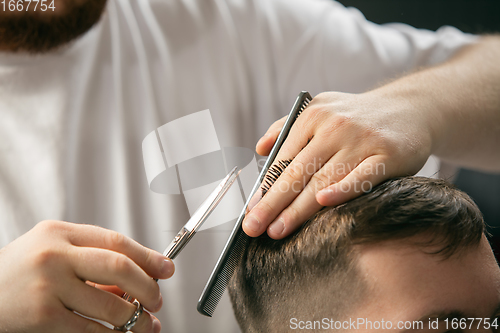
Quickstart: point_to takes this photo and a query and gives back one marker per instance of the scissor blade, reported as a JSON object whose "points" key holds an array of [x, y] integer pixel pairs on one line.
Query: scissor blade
{"points": [[202, 213]]}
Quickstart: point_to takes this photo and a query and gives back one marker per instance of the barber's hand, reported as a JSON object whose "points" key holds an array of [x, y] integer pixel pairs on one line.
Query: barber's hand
{"points": [[45, 278], [341, 145]]}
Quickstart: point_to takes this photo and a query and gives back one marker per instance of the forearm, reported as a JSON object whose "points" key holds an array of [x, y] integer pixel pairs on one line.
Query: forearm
{"points": [[459, 102]]}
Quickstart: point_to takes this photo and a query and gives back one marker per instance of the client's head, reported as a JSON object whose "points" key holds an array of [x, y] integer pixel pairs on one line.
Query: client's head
{"points": [[411, 249]]}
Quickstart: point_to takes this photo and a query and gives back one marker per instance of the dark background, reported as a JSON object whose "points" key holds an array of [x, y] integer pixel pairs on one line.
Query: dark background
{"points": [[473, 16]]}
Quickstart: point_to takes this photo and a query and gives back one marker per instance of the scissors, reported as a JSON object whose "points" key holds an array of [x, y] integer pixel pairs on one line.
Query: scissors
{"points": [[185, 234], [200, 215]]}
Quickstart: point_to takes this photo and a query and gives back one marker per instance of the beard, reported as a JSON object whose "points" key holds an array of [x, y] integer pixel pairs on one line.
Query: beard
{"points": [[34, 32]]}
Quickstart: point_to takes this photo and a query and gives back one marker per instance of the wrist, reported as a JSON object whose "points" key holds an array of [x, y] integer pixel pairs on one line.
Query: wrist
{"points": [[411, 109]]}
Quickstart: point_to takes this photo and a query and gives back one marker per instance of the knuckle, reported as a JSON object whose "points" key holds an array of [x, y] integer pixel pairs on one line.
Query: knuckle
{"points": [[372, 134], [49, 225], [42, 289], [322, 95], [122, 264], [46, 257], [265, 207], [338, 125], [342, 121], [296, 170], [117, 240], [315, 115], [149, 257], [322, 179]]}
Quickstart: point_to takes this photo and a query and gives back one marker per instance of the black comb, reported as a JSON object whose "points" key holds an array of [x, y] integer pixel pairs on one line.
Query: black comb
{"points": [[236, 244]]}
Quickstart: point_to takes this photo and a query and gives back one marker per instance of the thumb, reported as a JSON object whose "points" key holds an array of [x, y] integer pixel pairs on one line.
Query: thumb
{"points": [[266, 143]]}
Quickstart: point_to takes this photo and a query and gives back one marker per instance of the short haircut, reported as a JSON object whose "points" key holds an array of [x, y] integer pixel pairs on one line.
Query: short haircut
{"points": [[294, 277]]}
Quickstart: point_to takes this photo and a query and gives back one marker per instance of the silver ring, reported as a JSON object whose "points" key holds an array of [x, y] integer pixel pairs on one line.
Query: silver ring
{"points": [[133, 320]]}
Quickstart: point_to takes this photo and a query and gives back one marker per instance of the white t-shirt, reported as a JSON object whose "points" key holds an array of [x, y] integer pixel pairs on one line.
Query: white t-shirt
{"points": [[72, 121]]}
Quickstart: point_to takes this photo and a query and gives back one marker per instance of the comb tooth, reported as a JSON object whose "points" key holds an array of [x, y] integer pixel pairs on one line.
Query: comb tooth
{"points": [[274, 170], [303, 106], [225, 275], [273, 174], [284, 164]]}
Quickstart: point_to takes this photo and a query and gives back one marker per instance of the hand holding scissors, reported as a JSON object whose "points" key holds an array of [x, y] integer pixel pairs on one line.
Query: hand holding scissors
{"points": [[185, 235]]}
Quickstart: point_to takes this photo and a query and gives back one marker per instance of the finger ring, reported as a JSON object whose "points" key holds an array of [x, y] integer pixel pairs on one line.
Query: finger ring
{"points": [[131, 322]]}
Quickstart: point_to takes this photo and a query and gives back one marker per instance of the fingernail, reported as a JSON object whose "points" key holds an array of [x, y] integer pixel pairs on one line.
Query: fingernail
{"points": [[252, 223], [277, 227], [168, 268], [156, 326], [326, 191]]}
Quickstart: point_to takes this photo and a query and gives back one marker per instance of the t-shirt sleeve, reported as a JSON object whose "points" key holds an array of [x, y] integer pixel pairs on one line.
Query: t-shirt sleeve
{"points": [[320, 45]]}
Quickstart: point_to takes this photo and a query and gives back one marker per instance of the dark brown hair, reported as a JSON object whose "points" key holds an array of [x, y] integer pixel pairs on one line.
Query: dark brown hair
{"points": [[293, 277], [38, 31]]}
